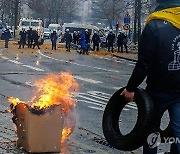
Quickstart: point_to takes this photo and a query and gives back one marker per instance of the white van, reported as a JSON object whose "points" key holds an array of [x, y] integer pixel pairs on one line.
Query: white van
{"points": [[78, 27], [26, 23], [56, 27]]}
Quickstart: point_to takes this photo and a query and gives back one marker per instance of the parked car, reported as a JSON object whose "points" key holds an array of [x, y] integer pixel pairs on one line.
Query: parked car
{"points": [[47, 33]]}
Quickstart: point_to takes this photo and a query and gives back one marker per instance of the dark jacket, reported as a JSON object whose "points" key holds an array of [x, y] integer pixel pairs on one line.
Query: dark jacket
{"points": [[158, 58], [54, 37], [6, 35], [120, 39], [96, 39], [68, 37], [30, 34], [22, 35], [87, 37], [110, 38]]}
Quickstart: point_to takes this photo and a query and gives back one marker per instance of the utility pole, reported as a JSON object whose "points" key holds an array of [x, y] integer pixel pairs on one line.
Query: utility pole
{"points": [[137, 22]]}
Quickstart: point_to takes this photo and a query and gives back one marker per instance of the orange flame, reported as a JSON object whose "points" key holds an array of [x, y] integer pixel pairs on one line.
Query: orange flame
{"points": [[65, 134], [53, 90]]}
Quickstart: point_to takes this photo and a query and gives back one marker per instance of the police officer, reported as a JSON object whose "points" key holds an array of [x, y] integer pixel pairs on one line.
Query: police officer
{"points": [[36, 39], [120, 41], [22, 42], [96, 40], [30, 37], [68, 39], [6, 35], [110, 40], [54, 38], [87, 39]]}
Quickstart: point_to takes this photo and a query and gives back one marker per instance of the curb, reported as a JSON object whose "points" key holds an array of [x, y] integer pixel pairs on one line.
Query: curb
{"points": [[126, 58]]}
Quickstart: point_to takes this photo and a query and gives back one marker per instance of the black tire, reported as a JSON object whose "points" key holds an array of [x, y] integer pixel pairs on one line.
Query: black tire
{"points": [[138, 135]]}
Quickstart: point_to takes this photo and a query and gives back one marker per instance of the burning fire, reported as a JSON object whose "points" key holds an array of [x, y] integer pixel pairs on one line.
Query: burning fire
{"points": [[52, 90], [65, 134]]}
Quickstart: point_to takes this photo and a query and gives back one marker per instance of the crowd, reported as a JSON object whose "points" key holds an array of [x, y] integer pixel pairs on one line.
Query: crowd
{"points": [[84, 40]]}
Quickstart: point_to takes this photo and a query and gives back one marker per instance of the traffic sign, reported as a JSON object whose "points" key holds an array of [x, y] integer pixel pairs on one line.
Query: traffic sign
{"points": [[126, 26], [127, 20], [113, 23]]}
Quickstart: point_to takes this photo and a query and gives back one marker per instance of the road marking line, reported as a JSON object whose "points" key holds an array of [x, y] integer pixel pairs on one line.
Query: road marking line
{"points": [[87, 80], [95, 94], [34, 68], [107, 70], [117, 61], [16, 62], [96, 108], [3, 57], [132, 107], [100, 93], [132, 64], [90, 103], [90, 99], [132, 104]]}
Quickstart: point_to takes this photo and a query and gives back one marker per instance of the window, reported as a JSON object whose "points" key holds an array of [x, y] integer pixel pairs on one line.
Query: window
{"points": [[25, 23], [35, 24]]}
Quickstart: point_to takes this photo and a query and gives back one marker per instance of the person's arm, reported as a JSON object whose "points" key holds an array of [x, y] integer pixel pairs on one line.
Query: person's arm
{"points": [[146, 56]]}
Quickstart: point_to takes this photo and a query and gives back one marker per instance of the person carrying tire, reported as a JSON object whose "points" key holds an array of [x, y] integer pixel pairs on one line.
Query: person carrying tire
{"points": [[158, 60]]}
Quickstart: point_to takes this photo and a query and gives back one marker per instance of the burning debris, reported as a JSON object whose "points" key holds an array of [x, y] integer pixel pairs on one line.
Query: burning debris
{"points": [[37, 119]]}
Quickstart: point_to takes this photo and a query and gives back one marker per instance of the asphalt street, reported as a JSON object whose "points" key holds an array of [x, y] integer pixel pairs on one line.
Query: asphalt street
{"points": [[98, 76]]}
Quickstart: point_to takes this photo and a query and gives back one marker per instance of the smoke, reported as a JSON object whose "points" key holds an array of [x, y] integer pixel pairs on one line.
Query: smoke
{"points": [[86, 10]]}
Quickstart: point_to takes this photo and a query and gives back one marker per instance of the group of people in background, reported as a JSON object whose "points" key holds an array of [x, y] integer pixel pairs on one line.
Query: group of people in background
{"points": [[31, 36], [84, 40], [80, 39]]}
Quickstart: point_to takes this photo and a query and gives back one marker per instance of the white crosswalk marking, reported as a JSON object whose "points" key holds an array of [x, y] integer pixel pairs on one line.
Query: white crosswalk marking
{"points": [[98, 100]]}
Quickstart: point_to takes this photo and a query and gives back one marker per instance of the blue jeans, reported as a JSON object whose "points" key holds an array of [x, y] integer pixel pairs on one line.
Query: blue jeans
{"points": [[165, 101]]}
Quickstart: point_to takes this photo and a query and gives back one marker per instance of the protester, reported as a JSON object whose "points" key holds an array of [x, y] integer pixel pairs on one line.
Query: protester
{"points": [[158, 60], [110, 40], [53, 38], [68, 39], [22, 41], [6, 35], [96, 40]]}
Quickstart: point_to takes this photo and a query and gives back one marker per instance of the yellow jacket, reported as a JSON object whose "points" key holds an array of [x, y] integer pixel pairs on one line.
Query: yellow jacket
{"points": [[171, 15]]}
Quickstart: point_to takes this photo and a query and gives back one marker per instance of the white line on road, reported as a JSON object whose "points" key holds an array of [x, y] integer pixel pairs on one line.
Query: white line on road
{"points": [[15, 62], [107, 70], [132, 64], [96, 108], [34, 68], [87, 80], [90, 99], [3, 57], [88, 102]]}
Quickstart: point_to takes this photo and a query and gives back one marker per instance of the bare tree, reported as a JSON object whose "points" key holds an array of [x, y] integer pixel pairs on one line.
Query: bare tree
{"points": [[54, 10]]}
